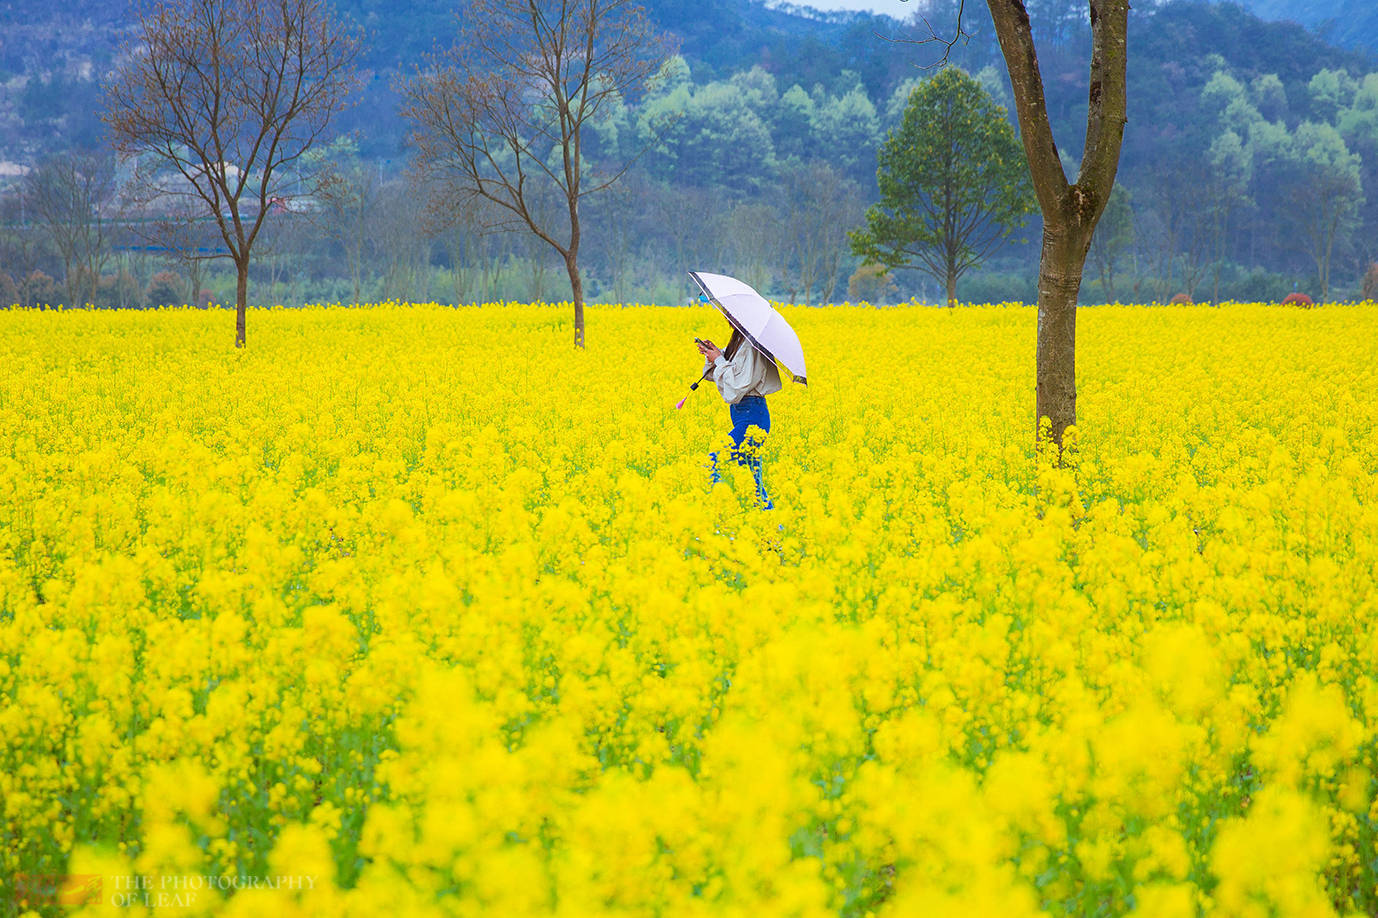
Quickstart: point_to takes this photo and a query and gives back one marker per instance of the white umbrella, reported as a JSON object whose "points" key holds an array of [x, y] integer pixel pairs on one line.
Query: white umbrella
{"points": [[752, 315]]}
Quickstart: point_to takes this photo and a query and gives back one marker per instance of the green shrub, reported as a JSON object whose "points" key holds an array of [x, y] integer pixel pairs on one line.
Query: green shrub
{"points": [[166, 288]]}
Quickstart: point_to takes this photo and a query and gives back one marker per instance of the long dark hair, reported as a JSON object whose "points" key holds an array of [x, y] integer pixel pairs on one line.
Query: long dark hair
{"points": [[733, 343]]}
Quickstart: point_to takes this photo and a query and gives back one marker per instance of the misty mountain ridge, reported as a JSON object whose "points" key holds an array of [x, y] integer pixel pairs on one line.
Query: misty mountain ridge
{"points": [[1346, 23], [53, 55]]}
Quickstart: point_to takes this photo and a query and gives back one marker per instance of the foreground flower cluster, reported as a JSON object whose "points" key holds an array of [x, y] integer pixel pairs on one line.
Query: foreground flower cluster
{"points": [[416, 610]]}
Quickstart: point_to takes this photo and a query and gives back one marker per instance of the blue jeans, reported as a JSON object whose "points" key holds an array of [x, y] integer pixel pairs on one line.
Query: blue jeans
{"points": [[750, 410]]}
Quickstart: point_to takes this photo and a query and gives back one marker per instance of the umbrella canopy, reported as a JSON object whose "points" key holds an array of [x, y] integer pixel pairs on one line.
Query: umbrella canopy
{"points": [[753, 316]]}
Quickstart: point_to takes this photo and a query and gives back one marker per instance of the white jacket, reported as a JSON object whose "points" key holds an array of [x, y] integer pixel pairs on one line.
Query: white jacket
{"points": [[749, 372]]}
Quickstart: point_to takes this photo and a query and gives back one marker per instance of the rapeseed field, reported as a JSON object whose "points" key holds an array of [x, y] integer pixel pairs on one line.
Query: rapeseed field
{"points": [[417, 610]]}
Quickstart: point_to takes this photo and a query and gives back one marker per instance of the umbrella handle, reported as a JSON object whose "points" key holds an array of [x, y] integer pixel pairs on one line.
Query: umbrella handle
{"points": [[692, 388]]}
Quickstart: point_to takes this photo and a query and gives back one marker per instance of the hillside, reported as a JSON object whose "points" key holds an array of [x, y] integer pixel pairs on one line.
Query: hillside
{"points": [[53, 55], [1176, 51], [1347, 23]]}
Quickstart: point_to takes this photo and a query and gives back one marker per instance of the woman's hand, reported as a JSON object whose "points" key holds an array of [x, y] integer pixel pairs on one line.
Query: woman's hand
{"points": [[709, 350]]}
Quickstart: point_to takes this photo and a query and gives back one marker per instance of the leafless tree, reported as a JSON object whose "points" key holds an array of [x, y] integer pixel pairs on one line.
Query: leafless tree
{"points": [[753, 251], [1114, 238], [191, 244], [282, 248], [501, 115], [346, 191], [817, 204], [400, 241], [620, 236], [693, 242], [228, 96], [65, 195], [463, 240]]}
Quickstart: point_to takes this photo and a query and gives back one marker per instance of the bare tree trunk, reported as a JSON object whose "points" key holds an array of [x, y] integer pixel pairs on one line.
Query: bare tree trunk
{"points": [[194, 272], [1070, 210], [576, 283], [1059, 282], [1325, 261], [70, 283], [951, 289], [576, 286], [240, 299], [355, 254]]}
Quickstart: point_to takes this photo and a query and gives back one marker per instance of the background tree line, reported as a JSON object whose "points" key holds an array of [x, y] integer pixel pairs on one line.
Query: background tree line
{"points": [[1249, 169]]}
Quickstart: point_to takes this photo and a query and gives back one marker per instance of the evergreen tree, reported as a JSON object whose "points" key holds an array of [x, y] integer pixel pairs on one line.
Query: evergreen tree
{"points": [[953, 183], [847, 127], [794, 119]]}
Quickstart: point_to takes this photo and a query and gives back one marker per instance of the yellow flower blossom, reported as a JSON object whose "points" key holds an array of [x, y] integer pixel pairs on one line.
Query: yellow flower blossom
{"points": [[345, 606]]}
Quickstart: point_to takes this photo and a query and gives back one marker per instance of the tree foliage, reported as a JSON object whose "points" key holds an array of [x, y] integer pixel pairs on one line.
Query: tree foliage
{"points": [[1325, 192], [953, 183]]}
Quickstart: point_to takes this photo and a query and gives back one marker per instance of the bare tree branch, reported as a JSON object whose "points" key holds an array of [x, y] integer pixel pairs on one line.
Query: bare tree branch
{"points": [[959, 34], [66, 194], [501, 115], [226, 96]]}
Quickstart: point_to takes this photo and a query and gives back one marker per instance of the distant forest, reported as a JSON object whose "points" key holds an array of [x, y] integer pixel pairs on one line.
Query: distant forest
{"points": [[1249, 167]]}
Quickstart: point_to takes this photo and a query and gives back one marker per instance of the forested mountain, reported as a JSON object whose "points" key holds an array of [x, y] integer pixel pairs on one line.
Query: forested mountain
{"points": [[1347, 23], [772, 102], [52, 56]]}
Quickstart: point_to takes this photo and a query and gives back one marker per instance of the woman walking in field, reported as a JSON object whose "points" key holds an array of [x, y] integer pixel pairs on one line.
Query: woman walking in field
{"points": [[744, 377]]}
